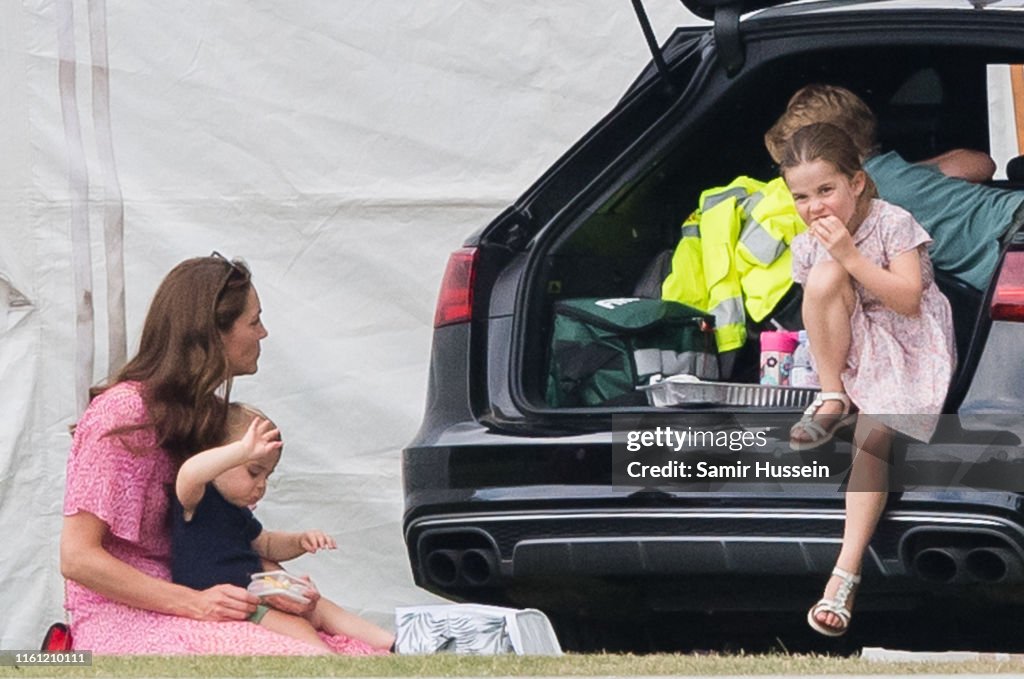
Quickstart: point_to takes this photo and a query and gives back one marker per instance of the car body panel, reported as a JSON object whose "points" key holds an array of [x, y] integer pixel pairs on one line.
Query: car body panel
{"points": [[510, 501]]}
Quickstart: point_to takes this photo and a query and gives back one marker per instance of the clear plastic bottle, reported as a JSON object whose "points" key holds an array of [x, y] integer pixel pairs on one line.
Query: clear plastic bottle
{"points": [[802, 374]]}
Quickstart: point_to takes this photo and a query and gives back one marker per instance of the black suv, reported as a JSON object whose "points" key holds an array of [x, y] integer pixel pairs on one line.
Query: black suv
{"points": [[510, 501]]}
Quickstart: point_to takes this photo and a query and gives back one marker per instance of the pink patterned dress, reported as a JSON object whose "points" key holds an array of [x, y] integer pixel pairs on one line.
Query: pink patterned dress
{"points": [[899, 366], [130, 493]]}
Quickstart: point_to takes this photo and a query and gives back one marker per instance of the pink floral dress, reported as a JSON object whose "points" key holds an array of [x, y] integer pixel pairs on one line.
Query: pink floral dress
{"points": [[899, 366], [130, 492]]}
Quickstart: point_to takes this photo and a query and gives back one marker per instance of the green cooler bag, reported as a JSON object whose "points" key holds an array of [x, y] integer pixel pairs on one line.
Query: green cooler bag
{"points": [[602, 349]]}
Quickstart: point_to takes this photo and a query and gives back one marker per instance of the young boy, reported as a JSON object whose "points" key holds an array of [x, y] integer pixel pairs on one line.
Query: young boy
{"points": [[217, 539]]}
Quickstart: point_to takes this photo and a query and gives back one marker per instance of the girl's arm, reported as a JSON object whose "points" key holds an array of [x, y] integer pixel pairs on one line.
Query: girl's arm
{"points": [[899, 287], [84, 560], [275, 545]]}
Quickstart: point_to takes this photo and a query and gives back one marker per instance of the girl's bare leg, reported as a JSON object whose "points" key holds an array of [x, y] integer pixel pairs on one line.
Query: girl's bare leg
{"points": [[294, 626], [333, 619], [827, 307], [865, 500]]}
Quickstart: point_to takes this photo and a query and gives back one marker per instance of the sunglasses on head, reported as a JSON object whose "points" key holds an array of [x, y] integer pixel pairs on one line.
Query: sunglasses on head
{"points": [[237, 265], [237, 271]]}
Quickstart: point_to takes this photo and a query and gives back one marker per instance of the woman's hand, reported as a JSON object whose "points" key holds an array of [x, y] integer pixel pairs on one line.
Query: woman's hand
{"points": [[223, 602], [835, 237]]}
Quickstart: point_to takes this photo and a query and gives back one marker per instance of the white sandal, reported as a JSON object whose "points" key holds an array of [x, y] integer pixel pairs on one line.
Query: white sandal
{"points": [[836, 604], [818, 433]]}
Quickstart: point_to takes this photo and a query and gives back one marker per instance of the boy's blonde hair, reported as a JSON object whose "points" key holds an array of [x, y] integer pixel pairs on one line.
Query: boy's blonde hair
{"points": [[824, 104], [239, 417]]}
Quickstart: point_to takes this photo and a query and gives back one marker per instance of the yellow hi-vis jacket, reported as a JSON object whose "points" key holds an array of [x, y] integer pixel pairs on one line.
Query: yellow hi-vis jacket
{"points": [[733, 258]]}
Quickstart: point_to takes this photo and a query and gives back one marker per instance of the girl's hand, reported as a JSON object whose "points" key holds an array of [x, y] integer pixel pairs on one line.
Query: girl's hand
{"points": [[223, 602], [261, 439], [314, 540], [834, 236]]}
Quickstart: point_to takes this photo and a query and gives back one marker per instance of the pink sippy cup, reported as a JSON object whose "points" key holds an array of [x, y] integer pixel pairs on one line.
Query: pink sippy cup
{"points": [[777, 356]]}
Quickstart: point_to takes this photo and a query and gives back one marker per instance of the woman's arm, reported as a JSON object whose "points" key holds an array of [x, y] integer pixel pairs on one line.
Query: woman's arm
{"points": [[84, 560]]}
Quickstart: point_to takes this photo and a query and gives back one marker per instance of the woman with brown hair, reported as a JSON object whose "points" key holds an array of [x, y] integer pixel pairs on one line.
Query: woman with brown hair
{"points": [[202, 330]]}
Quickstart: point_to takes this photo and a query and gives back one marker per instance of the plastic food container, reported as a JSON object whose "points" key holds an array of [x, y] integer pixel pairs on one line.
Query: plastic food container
{"points": [[686, 390], [279, 583]]}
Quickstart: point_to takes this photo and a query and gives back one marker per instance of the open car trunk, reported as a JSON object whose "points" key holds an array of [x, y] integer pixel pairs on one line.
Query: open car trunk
{"points": [[928, 99]]}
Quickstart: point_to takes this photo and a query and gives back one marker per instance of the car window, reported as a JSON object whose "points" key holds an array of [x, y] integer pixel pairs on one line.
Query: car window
{"points": [[923, 88], [1005, 114]]}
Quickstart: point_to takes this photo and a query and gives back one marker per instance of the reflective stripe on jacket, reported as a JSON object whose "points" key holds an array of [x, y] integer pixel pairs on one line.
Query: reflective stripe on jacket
{"points": [[733, 258]]}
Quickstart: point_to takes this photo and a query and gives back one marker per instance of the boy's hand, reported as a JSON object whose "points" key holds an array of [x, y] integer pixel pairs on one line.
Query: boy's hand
{"points": [[283, 603], [261, 439], [314, 540]]}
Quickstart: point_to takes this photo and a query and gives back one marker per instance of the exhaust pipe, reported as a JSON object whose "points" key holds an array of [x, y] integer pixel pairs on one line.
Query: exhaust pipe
{"points": [[479, 566], [939, 564], [993, 564], [443, 566]]}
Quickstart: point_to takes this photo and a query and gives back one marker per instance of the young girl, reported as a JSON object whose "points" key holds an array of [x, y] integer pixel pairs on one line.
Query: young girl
{"points": [[880, 331], [217, 540]]}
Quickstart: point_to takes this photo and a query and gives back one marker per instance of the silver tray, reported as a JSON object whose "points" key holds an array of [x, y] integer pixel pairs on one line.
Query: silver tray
{"points": [[674, 393]]}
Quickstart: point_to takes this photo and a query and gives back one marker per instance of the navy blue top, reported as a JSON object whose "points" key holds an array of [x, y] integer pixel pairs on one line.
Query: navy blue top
{"points": [[215, 547]]}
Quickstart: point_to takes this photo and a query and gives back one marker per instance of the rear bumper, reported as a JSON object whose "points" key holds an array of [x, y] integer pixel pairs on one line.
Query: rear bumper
{"points": [[531, 542], [753, 541], [553, 558]]}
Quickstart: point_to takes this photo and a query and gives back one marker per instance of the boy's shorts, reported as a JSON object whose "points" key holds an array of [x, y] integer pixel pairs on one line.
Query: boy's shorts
{"points": [[261, 610]]}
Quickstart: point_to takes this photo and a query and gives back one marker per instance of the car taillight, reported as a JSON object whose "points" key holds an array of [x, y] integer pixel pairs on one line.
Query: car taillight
{"points": [[455, 303], [1008, 299]]}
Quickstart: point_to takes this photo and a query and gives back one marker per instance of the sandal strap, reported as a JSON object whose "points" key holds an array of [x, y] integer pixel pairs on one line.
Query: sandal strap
{"points": [[835, 604], [830, 606], [810, 426], [822, 396], [847, 582], [846, 575]]}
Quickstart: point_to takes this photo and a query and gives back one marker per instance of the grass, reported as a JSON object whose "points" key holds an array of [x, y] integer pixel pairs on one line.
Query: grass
{"points": [[503, 666]]}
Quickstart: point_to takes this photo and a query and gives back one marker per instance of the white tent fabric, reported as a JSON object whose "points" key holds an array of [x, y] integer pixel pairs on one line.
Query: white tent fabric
{"points": [[1005, 117], [343, 149]]}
